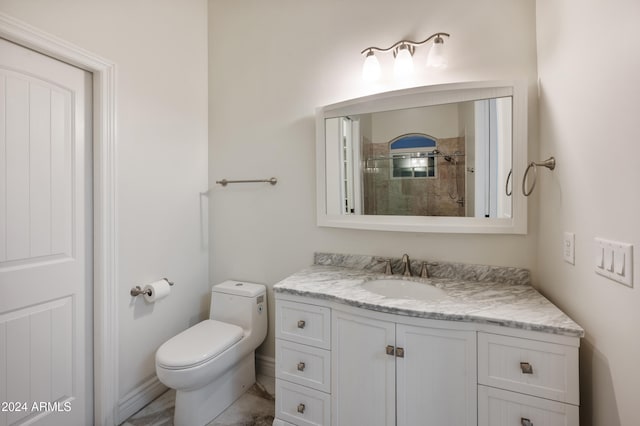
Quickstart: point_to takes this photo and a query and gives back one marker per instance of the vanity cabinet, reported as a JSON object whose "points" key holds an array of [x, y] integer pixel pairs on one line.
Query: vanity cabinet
{"points": [[388, 373], [341, 365]]}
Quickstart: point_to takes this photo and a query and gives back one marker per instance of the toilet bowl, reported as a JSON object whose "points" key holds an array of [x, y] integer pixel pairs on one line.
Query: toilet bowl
{"points": [[212, 363]]}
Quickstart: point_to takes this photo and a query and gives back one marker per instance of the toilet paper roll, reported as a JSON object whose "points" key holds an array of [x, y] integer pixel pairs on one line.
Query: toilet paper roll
{"points": [[156, 290]]}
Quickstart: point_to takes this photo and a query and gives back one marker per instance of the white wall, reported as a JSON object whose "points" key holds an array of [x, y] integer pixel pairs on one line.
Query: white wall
{"points": [[272, 63], [160, 51], [589, 63]]}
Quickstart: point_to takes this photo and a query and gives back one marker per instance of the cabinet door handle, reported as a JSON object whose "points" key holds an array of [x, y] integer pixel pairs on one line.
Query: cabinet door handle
{"points": [[301, 366], [301, 324], [526, 368], [390, 350], [400, 352], [301, 408], [525, 422]]}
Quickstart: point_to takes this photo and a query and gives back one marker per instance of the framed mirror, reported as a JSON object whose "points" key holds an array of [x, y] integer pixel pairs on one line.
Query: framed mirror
{"points": [[429, 159]]}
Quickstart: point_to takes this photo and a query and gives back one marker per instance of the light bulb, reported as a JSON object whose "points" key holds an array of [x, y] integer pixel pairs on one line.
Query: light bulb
{"points": [[436, 58], [371, 68], [403, 65]]}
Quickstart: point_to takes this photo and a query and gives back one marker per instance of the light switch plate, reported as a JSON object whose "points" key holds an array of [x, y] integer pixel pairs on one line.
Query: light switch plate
{"points": [[569, 248], [614, 260]]}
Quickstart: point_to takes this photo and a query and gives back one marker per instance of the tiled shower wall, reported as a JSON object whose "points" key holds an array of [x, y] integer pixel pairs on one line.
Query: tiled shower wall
{"points": [[437, 196]]}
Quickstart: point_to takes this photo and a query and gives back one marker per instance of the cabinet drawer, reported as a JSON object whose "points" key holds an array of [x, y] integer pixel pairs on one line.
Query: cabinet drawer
{"points": [[547, 370], [497, 407], [303, 323], [301, 405], [304, 365]]}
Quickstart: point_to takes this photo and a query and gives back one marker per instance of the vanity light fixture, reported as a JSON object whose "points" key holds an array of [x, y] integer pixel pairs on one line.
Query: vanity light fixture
{"points": [[435, 58], [371, 67], [403, 64], [403, 51]]}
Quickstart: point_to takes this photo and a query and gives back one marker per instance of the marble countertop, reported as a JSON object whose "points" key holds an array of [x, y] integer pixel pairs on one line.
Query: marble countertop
{"points": [[498, 303]]}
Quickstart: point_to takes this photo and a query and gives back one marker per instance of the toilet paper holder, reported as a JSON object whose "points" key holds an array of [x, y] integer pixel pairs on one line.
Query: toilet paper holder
{"points": [[137, 290]]}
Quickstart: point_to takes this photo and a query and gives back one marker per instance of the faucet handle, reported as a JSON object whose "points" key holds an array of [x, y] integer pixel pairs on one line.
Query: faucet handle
{"points": [[407, 265], [424, 272], [387, 267]]}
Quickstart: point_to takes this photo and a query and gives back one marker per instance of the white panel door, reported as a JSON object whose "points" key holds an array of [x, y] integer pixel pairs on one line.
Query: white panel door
{"points": [[363, 390], [436, 376], [45, 240]]}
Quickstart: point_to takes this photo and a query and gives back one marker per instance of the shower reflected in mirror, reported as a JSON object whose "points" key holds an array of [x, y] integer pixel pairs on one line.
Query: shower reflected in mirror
{"points": [[448, 160]]}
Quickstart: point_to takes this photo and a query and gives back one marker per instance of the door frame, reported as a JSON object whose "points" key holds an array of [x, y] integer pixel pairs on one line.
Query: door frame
{"points": [[105, 318]]}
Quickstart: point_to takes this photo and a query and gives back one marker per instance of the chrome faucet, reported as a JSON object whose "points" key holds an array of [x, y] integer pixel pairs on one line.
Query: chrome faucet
{"points": [[406, 271]]}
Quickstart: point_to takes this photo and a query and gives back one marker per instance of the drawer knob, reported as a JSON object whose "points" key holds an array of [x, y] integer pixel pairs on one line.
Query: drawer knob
{"points": [[301, 408], [301, 324], [526, 368], [400, 352], [301, 366], [525, 422], [390, 350]]}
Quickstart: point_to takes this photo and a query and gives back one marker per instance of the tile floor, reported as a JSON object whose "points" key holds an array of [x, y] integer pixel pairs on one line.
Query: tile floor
{"points": [[255, 408]]}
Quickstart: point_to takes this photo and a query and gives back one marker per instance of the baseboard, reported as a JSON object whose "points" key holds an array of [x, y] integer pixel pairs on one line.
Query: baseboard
{"points": [[265, 365], [135, 400]]}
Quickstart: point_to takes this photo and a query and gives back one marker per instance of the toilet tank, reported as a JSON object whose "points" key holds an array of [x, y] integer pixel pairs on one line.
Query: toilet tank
{"points": [[241, 303]]}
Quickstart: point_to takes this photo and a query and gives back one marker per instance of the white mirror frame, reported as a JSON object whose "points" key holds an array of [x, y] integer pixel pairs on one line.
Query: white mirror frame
{"points": [[420, 97]]}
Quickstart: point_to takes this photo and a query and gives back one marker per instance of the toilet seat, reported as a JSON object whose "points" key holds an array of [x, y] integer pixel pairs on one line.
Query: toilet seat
{"points": [[198, 344]]}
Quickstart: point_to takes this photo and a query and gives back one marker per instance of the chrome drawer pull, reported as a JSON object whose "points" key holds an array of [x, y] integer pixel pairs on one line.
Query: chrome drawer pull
{"points": [[301, 408], [301, 366], [390, 350], [526, 368], [525, 422], [400, 352], [301, 324]]}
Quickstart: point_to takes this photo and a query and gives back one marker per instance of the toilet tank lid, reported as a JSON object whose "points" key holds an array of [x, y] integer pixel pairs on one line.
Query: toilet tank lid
{"points": [[239, 288]]}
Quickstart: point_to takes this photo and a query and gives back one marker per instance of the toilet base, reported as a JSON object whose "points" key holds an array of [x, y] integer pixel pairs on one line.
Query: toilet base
{"points": [[200, 406]]}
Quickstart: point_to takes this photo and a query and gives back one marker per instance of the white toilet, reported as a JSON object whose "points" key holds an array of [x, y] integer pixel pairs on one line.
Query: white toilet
{"points": [[212, 363]]}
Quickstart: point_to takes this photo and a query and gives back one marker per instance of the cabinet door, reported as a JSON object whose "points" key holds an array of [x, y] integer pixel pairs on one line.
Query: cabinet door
{"points": [[363, 374], [436, 377]]}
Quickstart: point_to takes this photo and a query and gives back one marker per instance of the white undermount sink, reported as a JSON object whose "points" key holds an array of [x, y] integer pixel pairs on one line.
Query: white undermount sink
{"points": [[403, 289]]}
